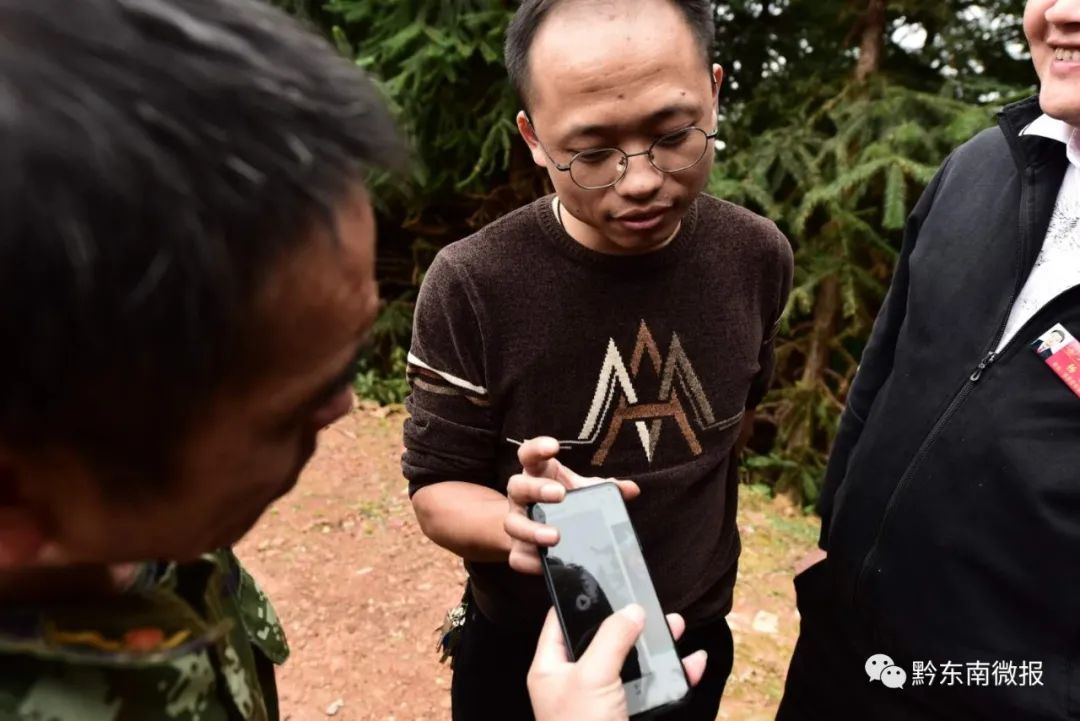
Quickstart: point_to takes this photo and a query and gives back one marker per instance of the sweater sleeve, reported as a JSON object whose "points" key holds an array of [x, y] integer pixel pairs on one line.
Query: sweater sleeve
{"points": [[449, 432], [779, 271], [876, 364]]}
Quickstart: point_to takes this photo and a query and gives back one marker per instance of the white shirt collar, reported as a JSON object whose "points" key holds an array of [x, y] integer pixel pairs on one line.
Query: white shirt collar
{"points": [[1046, 127]]}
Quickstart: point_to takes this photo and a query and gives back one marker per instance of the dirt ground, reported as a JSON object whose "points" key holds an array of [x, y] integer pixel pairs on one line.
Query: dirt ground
{"points": [[361, 591]]}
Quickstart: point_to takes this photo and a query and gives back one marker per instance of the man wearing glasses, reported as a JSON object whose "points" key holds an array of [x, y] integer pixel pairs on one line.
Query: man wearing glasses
{"points": [[628, 319]]}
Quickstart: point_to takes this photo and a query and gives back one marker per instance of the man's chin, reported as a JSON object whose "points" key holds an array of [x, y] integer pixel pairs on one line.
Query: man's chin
{"points": [[237, 532], [233, 533], [640, 244], [1062, 103]]}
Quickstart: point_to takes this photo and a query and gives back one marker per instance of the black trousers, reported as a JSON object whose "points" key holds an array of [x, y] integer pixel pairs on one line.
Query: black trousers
{"points": [[827, 678], [491, 664]]}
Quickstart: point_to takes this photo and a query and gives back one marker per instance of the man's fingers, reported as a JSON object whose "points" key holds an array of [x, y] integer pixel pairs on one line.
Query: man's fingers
{"points": [[523, 490], [551, 649], [520, 528], [630, 490], [677, 625], [616, 636], [694, 664], [524, 558], [536, 457], [568, 478]]}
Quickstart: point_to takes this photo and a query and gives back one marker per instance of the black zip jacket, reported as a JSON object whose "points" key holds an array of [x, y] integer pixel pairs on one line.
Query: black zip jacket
{"points": [[951, 508]]}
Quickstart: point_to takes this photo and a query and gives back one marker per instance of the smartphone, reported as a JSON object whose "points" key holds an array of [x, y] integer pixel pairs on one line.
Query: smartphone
{"points": [[596, 569]]}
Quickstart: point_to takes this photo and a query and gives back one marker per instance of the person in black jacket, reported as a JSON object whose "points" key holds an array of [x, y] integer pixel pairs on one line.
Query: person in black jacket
{"points": [[951, 508]]}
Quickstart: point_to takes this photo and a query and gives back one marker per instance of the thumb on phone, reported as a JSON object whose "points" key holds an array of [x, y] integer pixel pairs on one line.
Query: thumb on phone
{"points": [[604, 658]]}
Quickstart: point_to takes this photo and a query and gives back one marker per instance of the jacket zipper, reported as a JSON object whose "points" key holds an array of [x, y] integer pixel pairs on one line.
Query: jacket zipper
{"points": [[961, 394], [985, 363], [958, 398], [988, 360]]}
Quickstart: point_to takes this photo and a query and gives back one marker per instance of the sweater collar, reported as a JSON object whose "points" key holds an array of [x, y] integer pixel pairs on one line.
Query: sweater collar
{"points": [[577, 252]]}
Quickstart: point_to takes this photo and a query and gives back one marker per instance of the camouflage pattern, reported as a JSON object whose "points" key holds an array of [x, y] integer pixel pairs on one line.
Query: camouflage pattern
{"points": [[190, 642]]}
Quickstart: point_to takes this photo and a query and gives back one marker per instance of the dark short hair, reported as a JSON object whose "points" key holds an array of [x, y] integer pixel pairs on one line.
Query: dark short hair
{"points": [[530, 16], [158, 160]]}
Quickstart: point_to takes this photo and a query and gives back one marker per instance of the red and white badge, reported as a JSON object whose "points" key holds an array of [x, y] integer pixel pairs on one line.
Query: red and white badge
{"points": [[1062, 353]]}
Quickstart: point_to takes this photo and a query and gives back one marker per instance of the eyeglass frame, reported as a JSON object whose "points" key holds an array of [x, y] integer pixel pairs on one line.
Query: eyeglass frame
{"points": [[566, 168]]}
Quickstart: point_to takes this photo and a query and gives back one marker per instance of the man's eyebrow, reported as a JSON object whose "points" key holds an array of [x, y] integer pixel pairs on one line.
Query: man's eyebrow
{"points": [[667, 112]]}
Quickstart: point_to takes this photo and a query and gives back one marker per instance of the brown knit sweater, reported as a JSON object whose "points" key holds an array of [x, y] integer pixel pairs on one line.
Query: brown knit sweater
{"points": [[642, 366]]}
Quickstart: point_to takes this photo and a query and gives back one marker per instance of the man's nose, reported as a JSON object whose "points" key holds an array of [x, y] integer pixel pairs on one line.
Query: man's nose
{"points": [[641, 179], [1064, 14]]}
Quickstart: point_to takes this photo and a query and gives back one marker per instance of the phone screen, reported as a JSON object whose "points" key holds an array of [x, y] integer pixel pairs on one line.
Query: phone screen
{"points": [[596, 569]]}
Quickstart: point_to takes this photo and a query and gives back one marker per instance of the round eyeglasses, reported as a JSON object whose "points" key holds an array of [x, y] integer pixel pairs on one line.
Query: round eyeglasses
{"points": [[604, 167]]}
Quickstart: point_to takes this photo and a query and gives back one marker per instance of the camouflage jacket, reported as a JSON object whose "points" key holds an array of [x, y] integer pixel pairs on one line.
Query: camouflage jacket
{"points": [[188, 642]]}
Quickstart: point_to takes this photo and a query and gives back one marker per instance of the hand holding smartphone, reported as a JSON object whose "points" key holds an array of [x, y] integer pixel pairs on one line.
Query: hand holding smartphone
{"points": [[543, 479], [596, 568]]}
